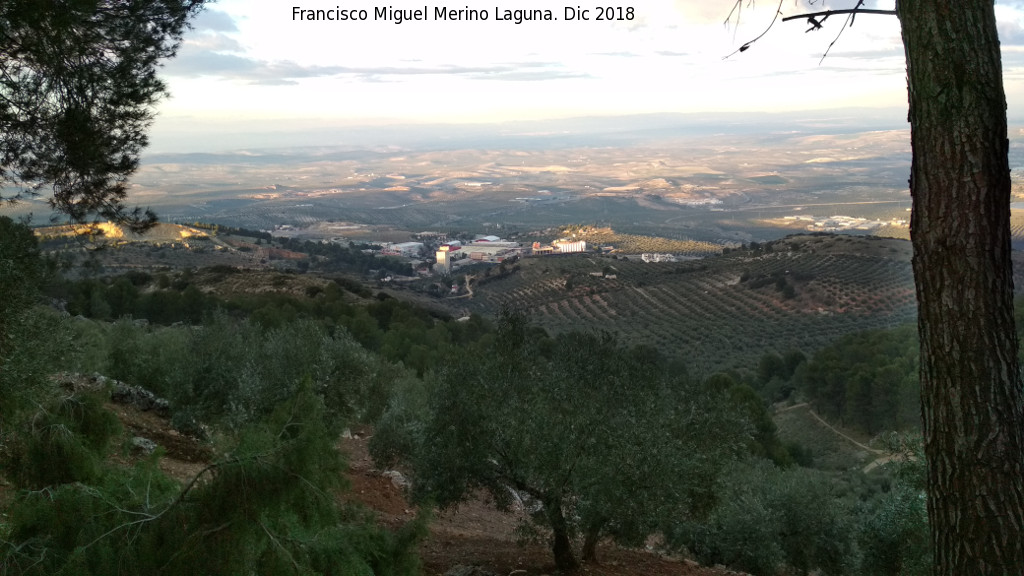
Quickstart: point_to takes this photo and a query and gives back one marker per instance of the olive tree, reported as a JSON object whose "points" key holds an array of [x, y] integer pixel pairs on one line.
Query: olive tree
{"points": [[594, 439]]}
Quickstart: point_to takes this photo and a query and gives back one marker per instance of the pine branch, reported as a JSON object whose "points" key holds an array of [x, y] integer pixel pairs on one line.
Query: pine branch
{"points": [[147, 517], [853, 11], [815, 19], [746, 46], [298, 569], [851, 14]]}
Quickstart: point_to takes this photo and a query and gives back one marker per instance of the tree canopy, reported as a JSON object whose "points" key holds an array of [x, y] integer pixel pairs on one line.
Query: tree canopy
{"points": [[594, 439], [78, 81]]}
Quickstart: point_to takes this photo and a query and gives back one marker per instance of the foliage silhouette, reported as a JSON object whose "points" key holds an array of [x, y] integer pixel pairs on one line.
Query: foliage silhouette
{"points": [[78, 83]]}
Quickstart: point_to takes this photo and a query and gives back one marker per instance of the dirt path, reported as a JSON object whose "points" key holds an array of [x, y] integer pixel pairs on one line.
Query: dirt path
{"points": [[851, 440], [469, 288], [883, 456]]}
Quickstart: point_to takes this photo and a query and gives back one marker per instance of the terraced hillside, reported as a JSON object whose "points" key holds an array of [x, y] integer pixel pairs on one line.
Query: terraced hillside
{"points": [[721, 312]]}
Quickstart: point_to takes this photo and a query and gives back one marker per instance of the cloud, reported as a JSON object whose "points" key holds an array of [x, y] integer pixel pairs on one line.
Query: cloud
{"points": [[621, 54], [521, 72], [515, 74], [1011, 32], [869, 56], [212, 42], [195, 59], [214, 20]]}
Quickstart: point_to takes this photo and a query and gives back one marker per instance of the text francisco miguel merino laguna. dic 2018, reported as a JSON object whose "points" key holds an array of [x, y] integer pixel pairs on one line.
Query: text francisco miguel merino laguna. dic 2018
{"points": [[465, 14]]}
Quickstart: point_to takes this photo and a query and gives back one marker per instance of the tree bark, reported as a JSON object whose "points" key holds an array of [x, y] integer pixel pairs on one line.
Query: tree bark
{"points": [[970, 380], [565, 560], [590, 540]]}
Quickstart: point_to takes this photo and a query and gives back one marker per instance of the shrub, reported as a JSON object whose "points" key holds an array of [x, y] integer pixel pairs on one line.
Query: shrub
{"points": [[767, 518], [64, 441], [269, 508]]}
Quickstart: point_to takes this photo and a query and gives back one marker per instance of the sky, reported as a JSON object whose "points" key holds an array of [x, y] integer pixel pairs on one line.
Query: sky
{"points": [[251, 67]]}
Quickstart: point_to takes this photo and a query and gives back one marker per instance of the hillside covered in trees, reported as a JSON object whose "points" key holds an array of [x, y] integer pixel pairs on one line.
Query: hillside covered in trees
{"points": [[594, 442]]}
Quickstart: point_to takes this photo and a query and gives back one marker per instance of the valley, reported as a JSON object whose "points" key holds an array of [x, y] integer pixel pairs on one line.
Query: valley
{"points": [[734, 275], [724, 187]]}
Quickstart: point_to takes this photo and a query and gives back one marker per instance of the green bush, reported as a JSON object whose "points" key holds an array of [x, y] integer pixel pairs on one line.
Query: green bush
{"points": [[38, 343], [400, 430], [64, 441], [145, 355], [768, 518], [894, 535], [269, 508], [32, 340], [894, 532]]}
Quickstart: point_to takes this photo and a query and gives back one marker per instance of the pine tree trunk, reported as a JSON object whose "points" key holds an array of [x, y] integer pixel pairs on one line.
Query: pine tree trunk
{"points": [[970, 382]]}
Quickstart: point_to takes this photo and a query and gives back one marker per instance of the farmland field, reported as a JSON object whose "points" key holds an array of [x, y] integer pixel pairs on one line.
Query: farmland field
{"points": [[720, 312]]}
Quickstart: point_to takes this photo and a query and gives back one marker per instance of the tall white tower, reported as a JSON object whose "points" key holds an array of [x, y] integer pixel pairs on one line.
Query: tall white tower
{"points": [[444, 261]]}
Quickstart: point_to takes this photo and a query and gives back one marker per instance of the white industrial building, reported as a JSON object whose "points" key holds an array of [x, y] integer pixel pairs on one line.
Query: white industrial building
{"points": [[567, 247], [492, 251], [407, 249]]}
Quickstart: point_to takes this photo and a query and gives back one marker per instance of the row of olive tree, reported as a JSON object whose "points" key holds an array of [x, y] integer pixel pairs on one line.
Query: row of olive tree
{"points": [[398, 330], [231, 371]]}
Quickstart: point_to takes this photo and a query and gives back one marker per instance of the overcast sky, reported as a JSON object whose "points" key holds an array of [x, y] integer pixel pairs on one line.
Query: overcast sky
{"points": [[249, 66]]}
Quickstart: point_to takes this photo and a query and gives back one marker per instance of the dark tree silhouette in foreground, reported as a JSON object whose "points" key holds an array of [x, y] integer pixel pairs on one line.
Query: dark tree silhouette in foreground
{"points": [[78, 81], [960, 228]]}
